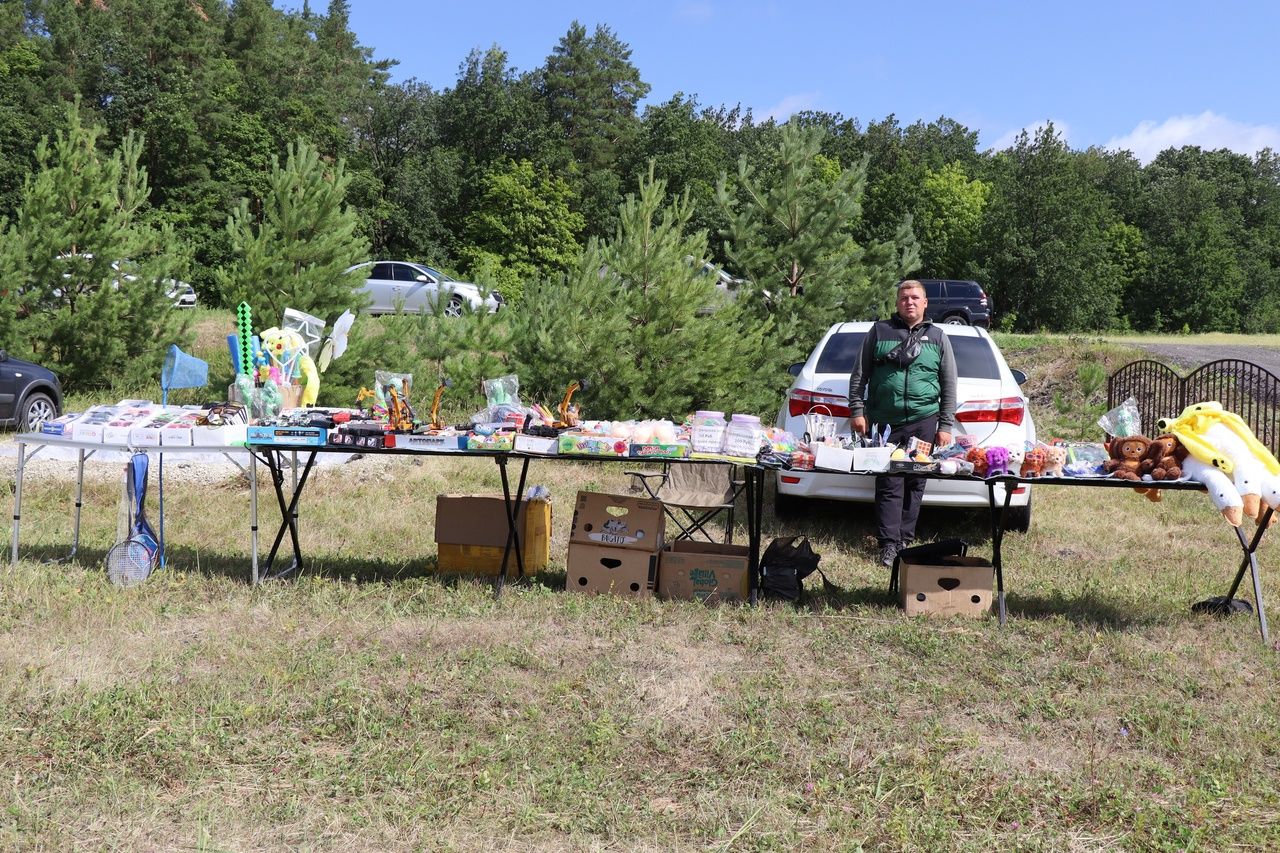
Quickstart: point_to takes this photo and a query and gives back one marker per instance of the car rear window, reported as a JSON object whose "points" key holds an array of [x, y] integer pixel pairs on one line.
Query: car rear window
{"points": [[840, 352], [974, 356]]}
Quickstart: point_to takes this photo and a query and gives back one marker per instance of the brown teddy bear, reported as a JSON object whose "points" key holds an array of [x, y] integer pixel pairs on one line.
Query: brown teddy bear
{"points": [[1163, 459], [1126, 456]]}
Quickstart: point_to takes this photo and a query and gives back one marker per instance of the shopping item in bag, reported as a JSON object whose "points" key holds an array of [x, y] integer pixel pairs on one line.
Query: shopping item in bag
{"points": [[785, 564], [819, 426]]}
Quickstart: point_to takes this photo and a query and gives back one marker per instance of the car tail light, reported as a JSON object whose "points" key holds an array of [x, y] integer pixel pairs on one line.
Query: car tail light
{"points": [[802, 402], [1006, 410], [786, 478]]}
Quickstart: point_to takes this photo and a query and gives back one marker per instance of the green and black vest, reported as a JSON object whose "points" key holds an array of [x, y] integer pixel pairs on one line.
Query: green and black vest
{"points": [[903, 395]]}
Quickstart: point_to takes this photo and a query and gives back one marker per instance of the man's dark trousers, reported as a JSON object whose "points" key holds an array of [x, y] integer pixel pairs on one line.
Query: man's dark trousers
{"points": [[898, 498]]}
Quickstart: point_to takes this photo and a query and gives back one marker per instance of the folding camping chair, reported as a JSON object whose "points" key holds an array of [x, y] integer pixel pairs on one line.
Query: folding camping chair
{"points": [[698, 492]]}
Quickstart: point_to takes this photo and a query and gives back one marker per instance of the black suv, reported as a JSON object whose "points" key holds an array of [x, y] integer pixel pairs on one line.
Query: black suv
{"points": [[964, 303], [29, 394]]}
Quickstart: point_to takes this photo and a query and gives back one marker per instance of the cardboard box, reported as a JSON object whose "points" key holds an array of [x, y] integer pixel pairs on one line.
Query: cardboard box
{"points": [[679, 450], [705, 571], [441, 442], [618, 522], [912, 466], [593, 445], [499, 441], [471, 534], [954, 586], [537, 444], [871, 458], [829, 457], [595, 569]]}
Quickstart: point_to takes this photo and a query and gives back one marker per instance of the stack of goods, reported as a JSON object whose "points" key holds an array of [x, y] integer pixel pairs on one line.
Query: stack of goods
{"points": [[141, 423]]}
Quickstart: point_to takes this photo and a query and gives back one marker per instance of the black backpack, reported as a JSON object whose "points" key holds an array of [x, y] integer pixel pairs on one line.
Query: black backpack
{"points": [[785, 564]]}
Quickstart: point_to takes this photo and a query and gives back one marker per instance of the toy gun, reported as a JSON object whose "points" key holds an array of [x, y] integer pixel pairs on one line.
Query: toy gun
{"points": [[435, 403], [569, 412]]}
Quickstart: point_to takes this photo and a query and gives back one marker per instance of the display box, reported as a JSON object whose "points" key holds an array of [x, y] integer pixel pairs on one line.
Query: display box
{"points": [[441, 442], [218, 436], [593, 445], [471, 534], [830, 457], [286, 435], [912, 466], [618, 521], [705, 571], [679, 450], [63, 426], [537, 444], [499, 441], [596, 569], [951, 586], [871, 458]]}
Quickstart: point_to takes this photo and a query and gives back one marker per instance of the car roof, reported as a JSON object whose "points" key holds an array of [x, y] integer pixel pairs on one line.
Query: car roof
{"points": [[947, 328]]}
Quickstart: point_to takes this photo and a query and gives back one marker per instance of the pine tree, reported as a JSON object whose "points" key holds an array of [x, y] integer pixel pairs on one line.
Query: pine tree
{"points": [[295, 253], [634, 321], [91, 298]]}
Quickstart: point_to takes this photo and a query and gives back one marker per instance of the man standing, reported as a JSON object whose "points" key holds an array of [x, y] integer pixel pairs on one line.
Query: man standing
{"points": [[905, 379]]}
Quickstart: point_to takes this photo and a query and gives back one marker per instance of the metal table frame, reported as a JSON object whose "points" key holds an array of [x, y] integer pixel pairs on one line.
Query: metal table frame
{"points": [[271, 455], [85, 450]]}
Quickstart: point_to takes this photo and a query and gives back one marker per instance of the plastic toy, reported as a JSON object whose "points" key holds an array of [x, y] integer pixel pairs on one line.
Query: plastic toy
{"points": [[1220, 440], [288, 351]]}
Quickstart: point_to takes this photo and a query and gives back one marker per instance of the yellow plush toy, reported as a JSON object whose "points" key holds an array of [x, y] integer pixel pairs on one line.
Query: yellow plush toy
{"points": [[1220, 441], [286, 348]]}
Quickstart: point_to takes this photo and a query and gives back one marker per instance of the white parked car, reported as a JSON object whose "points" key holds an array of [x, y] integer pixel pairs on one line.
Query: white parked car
{"points": [[420, 289], [990, 406]]}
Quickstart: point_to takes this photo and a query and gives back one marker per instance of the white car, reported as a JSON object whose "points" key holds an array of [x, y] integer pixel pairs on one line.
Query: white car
{"points": [[419, 289], [990, 406]]}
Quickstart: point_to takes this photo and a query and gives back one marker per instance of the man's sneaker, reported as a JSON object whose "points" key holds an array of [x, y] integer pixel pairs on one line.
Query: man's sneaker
{"points": [[888, 552]]}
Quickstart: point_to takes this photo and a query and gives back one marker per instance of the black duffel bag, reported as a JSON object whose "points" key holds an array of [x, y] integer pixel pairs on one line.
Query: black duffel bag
{"points": [[786, 563]]}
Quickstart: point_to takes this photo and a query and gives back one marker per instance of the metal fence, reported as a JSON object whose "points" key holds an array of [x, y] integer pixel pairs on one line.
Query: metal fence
{"points": [[1249, 390]]}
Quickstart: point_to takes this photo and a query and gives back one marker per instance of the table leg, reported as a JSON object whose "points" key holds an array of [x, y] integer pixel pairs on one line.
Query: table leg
{"points": [[512, 506], [253, 514], [755, 518], [75, 528], [17, 502], [1248, 562], [288, 512], [997, 540]]}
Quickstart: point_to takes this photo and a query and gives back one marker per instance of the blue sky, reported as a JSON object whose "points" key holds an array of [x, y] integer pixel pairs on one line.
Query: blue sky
{"points": [[1136, 75]]}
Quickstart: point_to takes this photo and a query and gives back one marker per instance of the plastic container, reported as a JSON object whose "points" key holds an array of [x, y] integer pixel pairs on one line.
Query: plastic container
{"points": [[706, 434], [744, 436]]}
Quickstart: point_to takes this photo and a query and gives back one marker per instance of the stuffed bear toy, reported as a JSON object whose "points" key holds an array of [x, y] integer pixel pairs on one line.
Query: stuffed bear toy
{"points": [[1163, 460], [1033, 463], [1054, 459], [997, 461], [1126, 456], [977, 457]]}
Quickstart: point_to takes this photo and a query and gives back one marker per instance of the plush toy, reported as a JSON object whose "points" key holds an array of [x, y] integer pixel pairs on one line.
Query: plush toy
{"points": [[1163, 460], [1126, 456], [1016, 455], [1054, 459], [1033, 463], [997, 461], [288, 351], [977, 457], [1220, 440]]}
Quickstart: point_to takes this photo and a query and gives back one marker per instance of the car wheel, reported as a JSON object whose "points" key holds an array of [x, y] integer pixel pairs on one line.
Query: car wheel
{"points": [[36, 409], [955, 320], [1018, 518], [454, 308]]}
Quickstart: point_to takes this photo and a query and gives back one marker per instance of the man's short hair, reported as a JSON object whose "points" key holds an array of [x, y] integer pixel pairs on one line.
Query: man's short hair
{"points": [[910, 283]]}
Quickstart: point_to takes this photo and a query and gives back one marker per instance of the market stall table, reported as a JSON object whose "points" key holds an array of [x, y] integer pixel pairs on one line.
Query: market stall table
{"points": [[38, 442], [270, 454]]}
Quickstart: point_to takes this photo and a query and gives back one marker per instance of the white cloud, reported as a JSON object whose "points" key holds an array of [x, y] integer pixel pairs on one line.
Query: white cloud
{"points": [[1006, 141], [1208, 130], [789, 106]]}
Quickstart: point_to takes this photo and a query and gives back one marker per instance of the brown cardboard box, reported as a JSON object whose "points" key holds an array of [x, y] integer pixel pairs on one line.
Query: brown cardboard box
{"points": [[617, 571], [471, 534], [618, 521], [955, 586], [704, 571]]}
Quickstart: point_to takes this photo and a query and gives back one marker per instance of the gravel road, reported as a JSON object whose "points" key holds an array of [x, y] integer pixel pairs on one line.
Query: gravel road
{"points": [[1187, 357]]}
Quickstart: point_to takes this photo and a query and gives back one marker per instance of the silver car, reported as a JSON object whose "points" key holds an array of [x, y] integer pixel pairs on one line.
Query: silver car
{"points": [[419, 289], [990, 407]]}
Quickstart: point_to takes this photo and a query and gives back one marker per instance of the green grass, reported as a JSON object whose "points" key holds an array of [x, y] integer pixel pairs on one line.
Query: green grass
{"points": [[373, 705]]}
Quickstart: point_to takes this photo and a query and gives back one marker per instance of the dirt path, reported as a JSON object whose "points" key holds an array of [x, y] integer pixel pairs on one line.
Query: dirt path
{"points": [[1187, 357]]}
